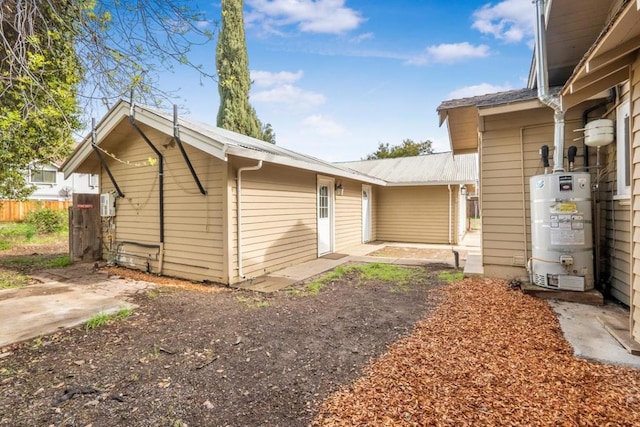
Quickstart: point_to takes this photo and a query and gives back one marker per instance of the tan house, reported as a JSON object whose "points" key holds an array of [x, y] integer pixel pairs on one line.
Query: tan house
{"points": [[593, 68], [190, 200]]}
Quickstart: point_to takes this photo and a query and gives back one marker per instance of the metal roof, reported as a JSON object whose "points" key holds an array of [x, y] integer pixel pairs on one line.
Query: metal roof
{"points": [[210, 139], [430, 169]]}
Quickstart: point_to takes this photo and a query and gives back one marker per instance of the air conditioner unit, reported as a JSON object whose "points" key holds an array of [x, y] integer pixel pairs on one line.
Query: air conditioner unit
{"points": [[107, 204]]}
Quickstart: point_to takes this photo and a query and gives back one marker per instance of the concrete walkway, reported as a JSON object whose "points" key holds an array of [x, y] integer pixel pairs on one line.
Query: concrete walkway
{"points": [[66, 298], [282, 278]]}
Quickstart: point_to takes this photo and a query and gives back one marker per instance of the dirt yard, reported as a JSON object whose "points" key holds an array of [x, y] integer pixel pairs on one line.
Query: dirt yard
{"points": [[359, 352], [187, 357]]}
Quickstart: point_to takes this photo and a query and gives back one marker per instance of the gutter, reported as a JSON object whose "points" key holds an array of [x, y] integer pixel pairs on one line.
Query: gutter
{"points": [[239, 212]]}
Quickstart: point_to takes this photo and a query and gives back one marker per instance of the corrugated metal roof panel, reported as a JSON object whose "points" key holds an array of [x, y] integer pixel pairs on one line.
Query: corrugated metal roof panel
{"points": [[428, 169]]}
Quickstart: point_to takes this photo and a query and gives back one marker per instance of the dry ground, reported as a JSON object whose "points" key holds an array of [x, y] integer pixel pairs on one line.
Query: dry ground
{"points": [[187, 357], [357, 353]]}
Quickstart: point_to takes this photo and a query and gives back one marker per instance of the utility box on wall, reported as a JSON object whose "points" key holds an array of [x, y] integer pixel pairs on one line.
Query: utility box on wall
{"points": [[107, 204]]}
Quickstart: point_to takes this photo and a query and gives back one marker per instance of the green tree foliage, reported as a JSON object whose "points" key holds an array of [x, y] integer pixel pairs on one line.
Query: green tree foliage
{"points": [[234, 82], [38, 108], [408, 148], [268, 134], [55, 52]]}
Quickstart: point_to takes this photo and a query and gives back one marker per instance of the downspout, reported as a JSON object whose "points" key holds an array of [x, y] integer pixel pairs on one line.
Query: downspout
{"points": [[239, 212], [450, 212], [553, 102], [132, 120], [524, 198]]}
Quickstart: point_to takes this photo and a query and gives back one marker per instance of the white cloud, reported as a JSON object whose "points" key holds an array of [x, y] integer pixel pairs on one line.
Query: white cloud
{"points": [[313, 16], [203, 24], [362, 37], [268, 79], [323, 125], [509, 20], [289, 94], [480, 89], [449, 53]]}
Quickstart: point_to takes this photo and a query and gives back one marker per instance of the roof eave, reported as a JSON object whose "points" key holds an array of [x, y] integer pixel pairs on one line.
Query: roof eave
{"points": [[286, 161], [608, 62], [430, 183]]}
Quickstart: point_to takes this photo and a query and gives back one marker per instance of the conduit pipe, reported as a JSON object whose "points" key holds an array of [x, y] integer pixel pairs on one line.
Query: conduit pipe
{"points": [[547, 99], [176, 136], [450, 212], [132, 120], [239, 212]]}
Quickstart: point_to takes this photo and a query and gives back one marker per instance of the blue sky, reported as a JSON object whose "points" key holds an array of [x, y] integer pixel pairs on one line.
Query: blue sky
{"points": [[337, 77]]}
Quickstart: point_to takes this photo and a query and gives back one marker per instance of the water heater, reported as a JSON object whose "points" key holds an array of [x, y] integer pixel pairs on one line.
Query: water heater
{"points": [[561, 239]]}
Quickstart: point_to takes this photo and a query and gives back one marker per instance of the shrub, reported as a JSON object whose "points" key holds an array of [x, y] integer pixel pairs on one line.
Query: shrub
{"points": [[47, 220]]}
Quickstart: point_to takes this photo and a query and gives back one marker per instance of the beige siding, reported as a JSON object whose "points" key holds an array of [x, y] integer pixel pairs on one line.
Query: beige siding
{"points": [[278, 218], [193, 246], [615, 233], [506, 166], [348, 215], [413, 214], [635, 135]]}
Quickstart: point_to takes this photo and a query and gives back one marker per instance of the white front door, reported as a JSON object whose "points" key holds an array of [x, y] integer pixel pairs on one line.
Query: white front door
{"points": [[325, 216], [366, 213]]}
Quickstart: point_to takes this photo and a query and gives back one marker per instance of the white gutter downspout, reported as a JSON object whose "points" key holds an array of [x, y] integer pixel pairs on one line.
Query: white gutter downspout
{"points": [[450, 211], [543, 88], [239, 211]]}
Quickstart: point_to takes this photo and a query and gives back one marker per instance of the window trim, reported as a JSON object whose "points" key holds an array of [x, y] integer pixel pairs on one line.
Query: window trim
{"points": [[623, 152]]}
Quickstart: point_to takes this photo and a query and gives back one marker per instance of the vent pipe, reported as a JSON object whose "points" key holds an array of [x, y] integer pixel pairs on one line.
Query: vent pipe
{"points": [[543, 88]]}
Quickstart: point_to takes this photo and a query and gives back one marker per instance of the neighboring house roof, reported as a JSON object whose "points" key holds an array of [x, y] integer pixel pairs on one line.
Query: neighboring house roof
{"points": [[210, 139], [430, 169]]}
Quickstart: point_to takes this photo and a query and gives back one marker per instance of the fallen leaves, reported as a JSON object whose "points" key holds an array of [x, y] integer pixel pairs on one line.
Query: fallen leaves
{"points": [[486, 356]]}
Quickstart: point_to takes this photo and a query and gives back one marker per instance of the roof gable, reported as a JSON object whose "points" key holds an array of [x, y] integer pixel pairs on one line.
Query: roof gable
{"points": [[210, 139]]}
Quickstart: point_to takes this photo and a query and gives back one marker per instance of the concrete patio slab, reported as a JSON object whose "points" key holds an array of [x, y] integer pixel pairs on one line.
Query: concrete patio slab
{"points": [[588, 337], [45, 308]]}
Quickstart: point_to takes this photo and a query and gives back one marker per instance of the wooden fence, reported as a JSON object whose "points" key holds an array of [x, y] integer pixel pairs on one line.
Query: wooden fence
{"points": [[11, 210]]}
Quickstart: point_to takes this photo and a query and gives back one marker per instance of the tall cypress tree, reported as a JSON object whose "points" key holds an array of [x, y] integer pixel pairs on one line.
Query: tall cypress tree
{"points": [[235, 112]]}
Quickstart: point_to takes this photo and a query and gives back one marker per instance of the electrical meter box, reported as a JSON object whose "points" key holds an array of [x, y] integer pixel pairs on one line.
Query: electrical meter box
{"points": [[107, 204]]}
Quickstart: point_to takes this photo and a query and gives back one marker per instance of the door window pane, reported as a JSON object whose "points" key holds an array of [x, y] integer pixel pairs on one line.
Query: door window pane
{"points": [[323, 202]]}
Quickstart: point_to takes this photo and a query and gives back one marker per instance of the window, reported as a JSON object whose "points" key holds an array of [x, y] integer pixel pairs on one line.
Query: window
{"points": [[623, 147], [42, 176], [323, 202], [93, 181]]}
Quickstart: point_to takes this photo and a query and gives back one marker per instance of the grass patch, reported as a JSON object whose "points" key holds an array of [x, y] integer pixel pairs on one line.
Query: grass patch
{"points": [[58, 262], [11, 280], [397, 275], [450, 277], [385, 272], [102, 319], [30, 261], [252, 302], [19, 233]]}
